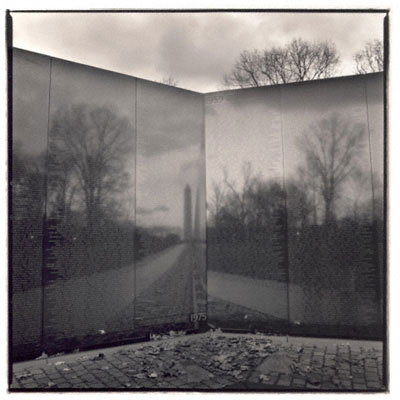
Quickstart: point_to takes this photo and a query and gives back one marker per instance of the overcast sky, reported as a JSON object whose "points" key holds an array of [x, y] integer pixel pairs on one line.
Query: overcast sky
{"points": [[194, 48]]}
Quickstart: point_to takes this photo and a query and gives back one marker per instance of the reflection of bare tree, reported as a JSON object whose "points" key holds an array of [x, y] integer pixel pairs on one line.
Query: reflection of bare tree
{"points": [[215, 203], [365, 197], [239, 198], [331, 147], [300, 205], [252, 203], [28, 184], [27, 209], [88, 148]]}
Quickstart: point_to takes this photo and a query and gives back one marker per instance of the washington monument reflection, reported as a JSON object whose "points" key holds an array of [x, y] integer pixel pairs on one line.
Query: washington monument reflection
{"points": [[187, 213]]}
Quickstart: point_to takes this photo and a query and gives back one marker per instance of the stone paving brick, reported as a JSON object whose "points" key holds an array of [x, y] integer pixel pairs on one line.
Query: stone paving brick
{"points": [[98, 385], [110, 383], [150, 384], [53, 377], [59, 380], [273, 378], [345, 384], [44, 379], [118, 374], [65, 385], [213, 385], [15, 384], [41, 375], [75, 381], [284, 380], [311, 386], [100, 374], [69, 375], [371, 377], [26, 381], [328, 386], [81, 385], [88, 378], [30, 385], [223, 381], [374, 385], [298, 381], [36, 371]]}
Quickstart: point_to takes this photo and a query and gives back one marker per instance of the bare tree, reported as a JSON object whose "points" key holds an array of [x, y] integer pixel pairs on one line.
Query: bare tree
{"points": [[247, 71], [88, 148], [216, 203], [308, 181], [370, 58], [266, 203], [299, 60], [300, 204], [331, 148], [240, 197], [28, 185], [169, 80]]}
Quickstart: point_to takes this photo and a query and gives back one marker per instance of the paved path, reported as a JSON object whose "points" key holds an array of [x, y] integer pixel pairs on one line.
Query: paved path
{"points": [[266, 296], [88, 304], [214, 361], [151, 268], [166, 300]]}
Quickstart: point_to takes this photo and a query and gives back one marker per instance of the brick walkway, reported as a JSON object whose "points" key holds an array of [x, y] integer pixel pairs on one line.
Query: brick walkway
{"points": [[213, 361]]}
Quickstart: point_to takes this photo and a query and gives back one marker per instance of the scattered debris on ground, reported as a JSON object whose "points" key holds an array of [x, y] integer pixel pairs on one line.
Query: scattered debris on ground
{"points": [[213, 361]]}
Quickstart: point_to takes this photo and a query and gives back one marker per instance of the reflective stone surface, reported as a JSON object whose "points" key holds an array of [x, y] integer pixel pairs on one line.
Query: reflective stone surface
{"points": [[89, 260], [30, 100], [246, 243], [140, 208], [170, 205]]}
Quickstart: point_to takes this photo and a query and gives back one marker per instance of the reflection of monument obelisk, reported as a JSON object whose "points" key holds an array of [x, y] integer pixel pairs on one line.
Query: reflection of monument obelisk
{"points": [[196, 227], [187, 214]]}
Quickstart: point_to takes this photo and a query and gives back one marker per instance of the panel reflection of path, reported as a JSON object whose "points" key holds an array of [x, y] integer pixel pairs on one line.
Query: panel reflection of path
{"points": [[268, 299], [168, 299], [151, 268], [262, 295], [163, 289], [105, 301]]}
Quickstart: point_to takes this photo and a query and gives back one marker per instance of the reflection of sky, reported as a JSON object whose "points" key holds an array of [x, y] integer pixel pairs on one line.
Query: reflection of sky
{"points": [[246, 125], [307, 103], [30, 100], [160, 185], [169, 129]]}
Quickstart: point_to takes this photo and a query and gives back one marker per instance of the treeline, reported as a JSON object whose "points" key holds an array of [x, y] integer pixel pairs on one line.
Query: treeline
{"points": [[50, 243], [268, 231]]}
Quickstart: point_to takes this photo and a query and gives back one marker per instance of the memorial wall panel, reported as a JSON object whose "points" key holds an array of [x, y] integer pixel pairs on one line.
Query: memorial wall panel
{"points": [[89, 259], [30, 99], [332, 244], [374, 85], [170, 208], [246, 235]]}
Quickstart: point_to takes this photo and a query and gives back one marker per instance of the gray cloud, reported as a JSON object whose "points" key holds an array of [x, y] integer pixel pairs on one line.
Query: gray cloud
{"points": [[171, 123]]}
